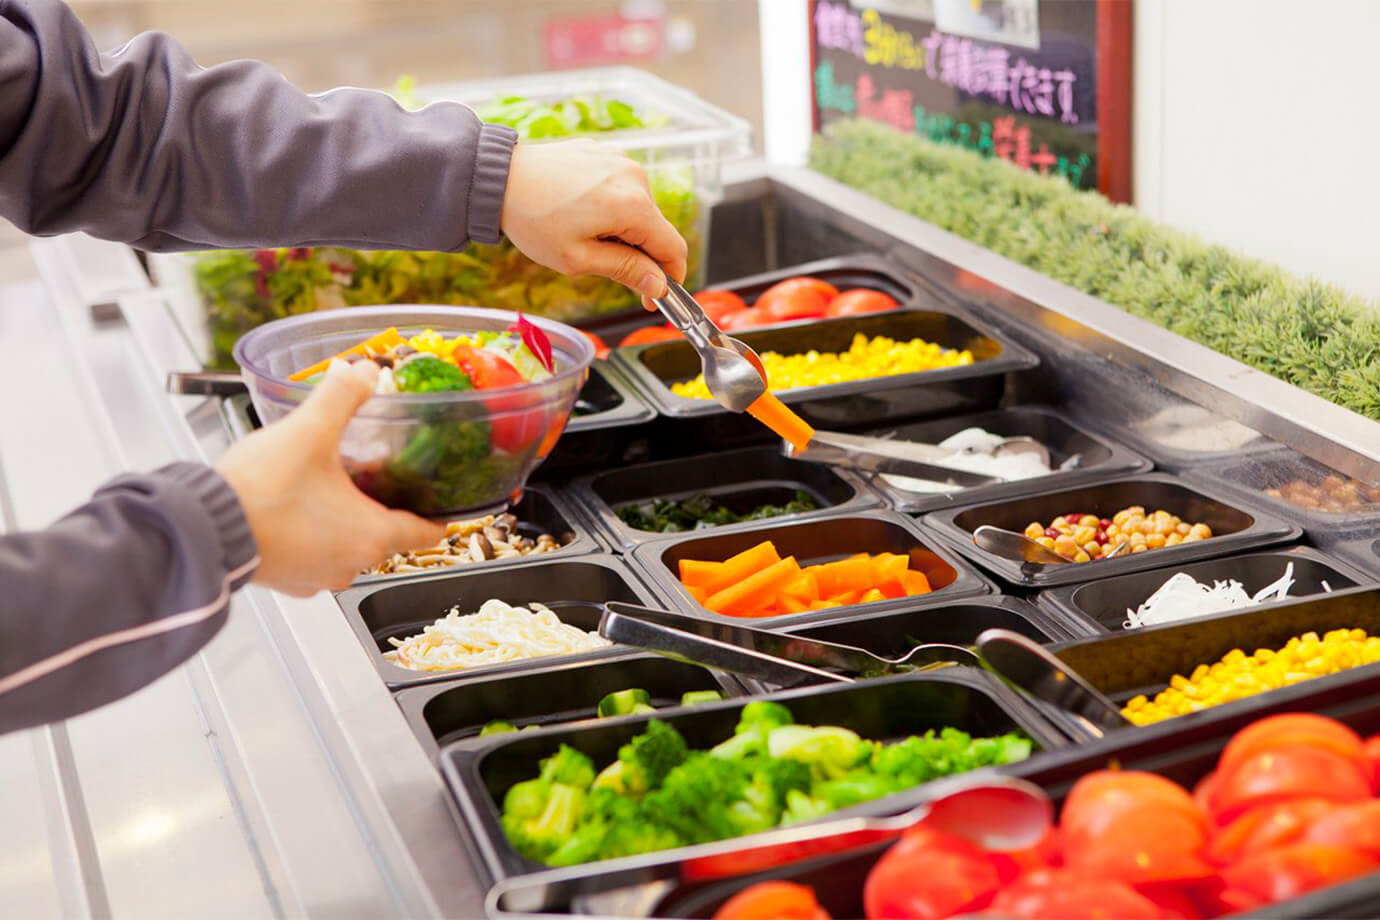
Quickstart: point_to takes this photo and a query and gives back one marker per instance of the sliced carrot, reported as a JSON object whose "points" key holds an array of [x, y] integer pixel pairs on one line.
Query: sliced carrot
{"points": [[823, 605], [805, 588], [756, 591], [374, 344], [699, 594], [859, 556], [888, 567], [697, 573], [779, 417], [793, 605], [872, 596], [845, 598], [915, 583], [892, 590], [720, 575], [844, 575]]}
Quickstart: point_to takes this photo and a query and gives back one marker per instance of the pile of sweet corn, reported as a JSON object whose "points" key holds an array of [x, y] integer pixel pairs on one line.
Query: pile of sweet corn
{"points": [[864, 359], [1240, 675]]}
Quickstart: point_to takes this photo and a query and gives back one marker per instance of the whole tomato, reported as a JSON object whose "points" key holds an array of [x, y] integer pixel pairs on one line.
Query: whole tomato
{"points": [[1281, 773], [649, 334], [718, 304], [929, 875], [795, 298], [857, 301], [1356, 825], [1068, 895], [742, 319], [1287, 872], [1267, 827], [601, 348], [1291, 730]]}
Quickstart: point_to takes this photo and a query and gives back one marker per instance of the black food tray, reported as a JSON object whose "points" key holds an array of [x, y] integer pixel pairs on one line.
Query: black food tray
{"points": [[1143, 660], [574, 589], [601, 436], [553, 695], [1237, 526], [740, 479], [822, 539], [1251, 475], [838, 879], [1100, 457], [893, 634], [863, 402], [1103, 603], [862, 270], [540, 511], [886, 709]]}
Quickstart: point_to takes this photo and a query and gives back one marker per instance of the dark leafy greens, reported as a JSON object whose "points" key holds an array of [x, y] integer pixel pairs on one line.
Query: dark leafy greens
{"points": [[701, 511]]}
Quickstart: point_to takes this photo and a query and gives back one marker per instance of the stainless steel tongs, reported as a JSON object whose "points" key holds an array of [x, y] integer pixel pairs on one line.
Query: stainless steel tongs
{"points": [[732, 371]]}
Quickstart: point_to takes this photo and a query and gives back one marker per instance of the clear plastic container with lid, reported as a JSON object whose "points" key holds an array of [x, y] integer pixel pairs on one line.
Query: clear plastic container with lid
{"points": [[681, 140]]}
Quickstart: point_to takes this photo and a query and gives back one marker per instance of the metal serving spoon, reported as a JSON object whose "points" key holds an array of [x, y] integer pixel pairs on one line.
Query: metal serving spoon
{"points": [[1009, 544], [732, 371]]}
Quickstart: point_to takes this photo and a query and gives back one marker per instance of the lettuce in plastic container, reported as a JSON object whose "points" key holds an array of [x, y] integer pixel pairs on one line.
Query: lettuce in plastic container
{"points": [[243, 288]]}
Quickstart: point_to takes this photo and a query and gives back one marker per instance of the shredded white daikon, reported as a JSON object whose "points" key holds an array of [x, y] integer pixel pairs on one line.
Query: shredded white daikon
{"points": [[1182, 598], [497, 633]]}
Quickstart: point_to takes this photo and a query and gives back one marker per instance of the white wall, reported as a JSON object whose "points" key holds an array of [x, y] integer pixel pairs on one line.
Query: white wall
{"points": [[1257, 125]]}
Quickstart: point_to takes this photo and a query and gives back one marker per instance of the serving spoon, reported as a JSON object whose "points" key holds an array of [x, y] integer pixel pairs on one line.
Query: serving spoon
{"points": [[1009, 544]]}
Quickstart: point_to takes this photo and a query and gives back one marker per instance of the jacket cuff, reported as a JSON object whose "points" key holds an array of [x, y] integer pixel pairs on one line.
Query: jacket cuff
{"points": [[493, 155], [222, 506]]}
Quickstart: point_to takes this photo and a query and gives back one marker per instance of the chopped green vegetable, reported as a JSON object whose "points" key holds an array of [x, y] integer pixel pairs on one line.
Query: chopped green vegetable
{"points": [[497, 727], [429, 374], [658, 794], [625, 702], [696, 697], [701, 511]]}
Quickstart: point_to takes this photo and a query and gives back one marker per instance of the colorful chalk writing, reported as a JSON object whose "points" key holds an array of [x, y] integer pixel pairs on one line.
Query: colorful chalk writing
{"points": [[830, 95], [889, 46], [837, 25]]}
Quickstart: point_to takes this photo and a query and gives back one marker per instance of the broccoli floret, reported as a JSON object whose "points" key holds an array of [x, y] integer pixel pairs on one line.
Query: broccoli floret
{"points": [[428, 374], [497, 727], [801, 807], [625, 702], [764, 796], [644, 761], [537, 837], [853, 788], [762, 714], [568, 766], [696, 697], [696, 797], [830, 751], [922, 758], [629, 830]]}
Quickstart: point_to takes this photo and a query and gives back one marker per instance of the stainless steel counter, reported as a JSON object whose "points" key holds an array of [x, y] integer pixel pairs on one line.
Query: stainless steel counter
{"points": [[273, 775]]}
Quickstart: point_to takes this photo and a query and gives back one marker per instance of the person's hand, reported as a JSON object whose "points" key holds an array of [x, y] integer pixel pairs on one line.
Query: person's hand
{"points": [[567, 203], [314, 528]]}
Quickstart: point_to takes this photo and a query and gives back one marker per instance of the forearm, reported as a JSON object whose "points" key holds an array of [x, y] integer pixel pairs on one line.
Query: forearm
{"points": [[144, 147], [117, 593]]}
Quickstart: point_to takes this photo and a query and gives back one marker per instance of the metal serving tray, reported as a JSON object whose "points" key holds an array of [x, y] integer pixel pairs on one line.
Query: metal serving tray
{"points": [[842, 405], [479, 775], [822, 539], [740, 479], [557, 694], [1237, 526], [1144, 660], [574, 589], [838, 879], [1103, 604], [1100, 458], [540, 511]]}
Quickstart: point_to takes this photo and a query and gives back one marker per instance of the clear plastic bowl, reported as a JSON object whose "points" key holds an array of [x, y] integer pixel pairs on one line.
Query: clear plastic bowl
{"points": [[435, 454]]}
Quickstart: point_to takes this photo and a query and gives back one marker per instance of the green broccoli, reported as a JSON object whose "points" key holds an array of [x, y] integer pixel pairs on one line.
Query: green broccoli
{"points": [[696, 798], [801, 807], [755, 723], [629, 831], [497, 727], [539, 816], [830, 751], [697, 697], [922, 758], [625, 702], [568, 766], [764, 796], [853, 788], [429, 374], [644, 761]]}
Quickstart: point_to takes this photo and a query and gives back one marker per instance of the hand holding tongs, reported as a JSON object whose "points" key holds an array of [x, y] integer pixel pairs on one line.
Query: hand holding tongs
{"points": [[787, 661], [732, 371]]}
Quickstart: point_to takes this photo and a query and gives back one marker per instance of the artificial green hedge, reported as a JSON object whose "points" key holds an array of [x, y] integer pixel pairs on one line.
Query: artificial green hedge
{"points": [[1310, 334]]}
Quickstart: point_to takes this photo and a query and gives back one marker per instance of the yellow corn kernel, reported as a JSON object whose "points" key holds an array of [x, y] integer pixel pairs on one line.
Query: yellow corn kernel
{"points": [[1034, 531], [1156, 540], [1174, 539], [1201, 531]]}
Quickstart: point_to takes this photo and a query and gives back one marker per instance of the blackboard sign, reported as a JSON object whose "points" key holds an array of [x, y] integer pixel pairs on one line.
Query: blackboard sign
{"points": [[1044, 84]]}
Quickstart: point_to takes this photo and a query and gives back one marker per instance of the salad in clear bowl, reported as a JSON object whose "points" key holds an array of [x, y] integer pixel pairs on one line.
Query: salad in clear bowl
{"points": [[469, 400]]}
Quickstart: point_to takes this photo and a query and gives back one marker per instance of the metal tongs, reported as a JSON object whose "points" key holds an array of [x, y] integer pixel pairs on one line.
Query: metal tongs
{"points": [[732, 371], [788, 661], [906, 458]]}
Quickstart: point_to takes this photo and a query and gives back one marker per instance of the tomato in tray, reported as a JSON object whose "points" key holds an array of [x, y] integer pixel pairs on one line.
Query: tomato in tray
{"points": [[719, 304], [859, 301], [649, 334], [1067, 895], [1287, 872], [930, 874], [773, 901], [795, 298]]}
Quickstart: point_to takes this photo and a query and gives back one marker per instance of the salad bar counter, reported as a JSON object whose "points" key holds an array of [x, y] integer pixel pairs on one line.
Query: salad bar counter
{"points": [[451, 735]]}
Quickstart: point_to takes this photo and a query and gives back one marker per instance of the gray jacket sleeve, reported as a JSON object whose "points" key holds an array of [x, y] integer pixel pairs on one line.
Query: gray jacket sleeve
{"points": [[144, 147], [117, 593]]}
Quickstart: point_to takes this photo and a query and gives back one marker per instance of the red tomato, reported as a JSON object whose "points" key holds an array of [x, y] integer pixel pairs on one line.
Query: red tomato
{"points": [[601, 349], [1146, 844], [648, 334], [1267, 827], [1286, 773], [795, 298], [1054, 893], [1175, 902], [516, 423], [1372, 748], [718, 304], [858, 301], [1356, 826], [1011, 864], [772, 901], [1202, 793], [1287, 872], [1099, 798], [1295, 729], [743, 319], [928, 875]]}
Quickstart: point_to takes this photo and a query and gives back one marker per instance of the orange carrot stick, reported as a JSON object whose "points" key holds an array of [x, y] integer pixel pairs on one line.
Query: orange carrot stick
{"points": [[695, 573], [735, 568], [915, 583], [748, 596], [378, 343], [779, 417]]}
